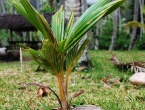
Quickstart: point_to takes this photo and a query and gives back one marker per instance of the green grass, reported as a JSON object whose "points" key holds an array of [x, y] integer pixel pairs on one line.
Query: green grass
{"points": [[16, 95]]}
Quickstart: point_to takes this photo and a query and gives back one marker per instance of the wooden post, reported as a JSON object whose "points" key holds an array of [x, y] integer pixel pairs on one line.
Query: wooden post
{"points": [[21, 62]]}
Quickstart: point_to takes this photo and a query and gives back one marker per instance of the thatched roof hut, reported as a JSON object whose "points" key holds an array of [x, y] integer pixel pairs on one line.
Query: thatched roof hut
{"points": [[18, 22]]}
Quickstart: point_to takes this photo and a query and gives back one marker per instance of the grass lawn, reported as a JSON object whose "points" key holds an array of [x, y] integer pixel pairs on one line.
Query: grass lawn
{"points": [[17, 95]]}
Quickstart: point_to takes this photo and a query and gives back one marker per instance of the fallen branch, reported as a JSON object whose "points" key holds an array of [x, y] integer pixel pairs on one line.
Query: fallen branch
{"points": [[135, 66]]}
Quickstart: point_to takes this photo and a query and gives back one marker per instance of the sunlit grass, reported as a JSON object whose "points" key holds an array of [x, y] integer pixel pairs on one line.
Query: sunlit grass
{"points": [[17, 95]]}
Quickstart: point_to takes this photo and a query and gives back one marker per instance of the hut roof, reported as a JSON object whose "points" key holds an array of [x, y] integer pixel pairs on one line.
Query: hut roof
{"points": [[18, 22]]}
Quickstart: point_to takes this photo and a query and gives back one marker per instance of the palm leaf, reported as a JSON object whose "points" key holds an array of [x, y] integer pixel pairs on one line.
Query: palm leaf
{"points": [[33, 16], [69, 24], [52, 56], [88, 19], [75, 53], [94, 7], [58, 24], [39, 58]]}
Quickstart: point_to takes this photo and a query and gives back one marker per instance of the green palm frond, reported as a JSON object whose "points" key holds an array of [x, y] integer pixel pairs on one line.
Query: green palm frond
{"points": [[75, 53], [58, 24], [34, 17], [89, 18], [69, 24], [39, 58], [52, 56]]}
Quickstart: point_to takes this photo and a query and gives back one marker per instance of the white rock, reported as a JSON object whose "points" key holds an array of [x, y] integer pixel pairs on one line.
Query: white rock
{"points": [[138, 78]]}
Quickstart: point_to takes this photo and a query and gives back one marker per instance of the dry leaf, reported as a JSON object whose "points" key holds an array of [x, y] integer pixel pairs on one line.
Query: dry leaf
{"points": [[105, 80], [77, 93]]}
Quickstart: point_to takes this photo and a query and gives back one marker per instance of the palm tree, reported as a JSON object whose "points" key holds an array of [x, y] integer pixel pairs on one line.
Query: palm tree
{"points": [[3, 7], [135, 18], [114, 35], [141, 4], [117, 22], [61, 45]]}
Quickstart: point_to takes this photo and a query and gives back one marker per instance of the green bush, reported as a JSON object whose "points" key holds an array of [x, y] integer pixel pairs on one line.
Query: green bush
{"points": [[140, 44], [105, 37], [47, 7], [4, 36], [122, 40]]}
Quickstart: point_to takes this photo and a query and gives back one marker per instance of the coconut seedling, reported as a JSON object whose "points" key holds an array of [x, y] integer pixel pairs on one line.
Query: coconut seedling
{"points": [[60, 45]]}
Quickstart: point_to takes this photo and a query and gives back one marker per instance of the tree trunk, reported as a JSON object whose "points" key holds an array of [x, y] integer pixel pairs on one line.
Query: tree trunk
{"points": [[13, 10], [99, 29], [92, 43], [3, 7], [133, 35], [141, 4], [115, 22], [35, 4], [96, 39], [119, 19], [56, 4], [79, 7]]}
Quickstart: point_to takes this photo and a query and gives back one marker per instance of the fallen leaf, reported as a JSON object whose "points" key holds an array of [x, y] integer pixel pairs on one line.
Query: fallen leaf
{"points": [[77, 93]]}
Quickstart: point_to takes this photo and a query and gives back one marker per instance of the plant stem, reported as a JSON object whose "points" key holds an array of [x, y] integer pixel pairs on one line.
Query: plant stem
{"points": [[62, 91], [66, 84]]}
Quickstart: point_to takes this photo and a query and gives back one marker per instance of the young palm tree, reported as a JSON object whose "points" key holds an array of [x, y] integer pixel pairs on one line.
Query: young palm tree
{"points": [[60, 46]]}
